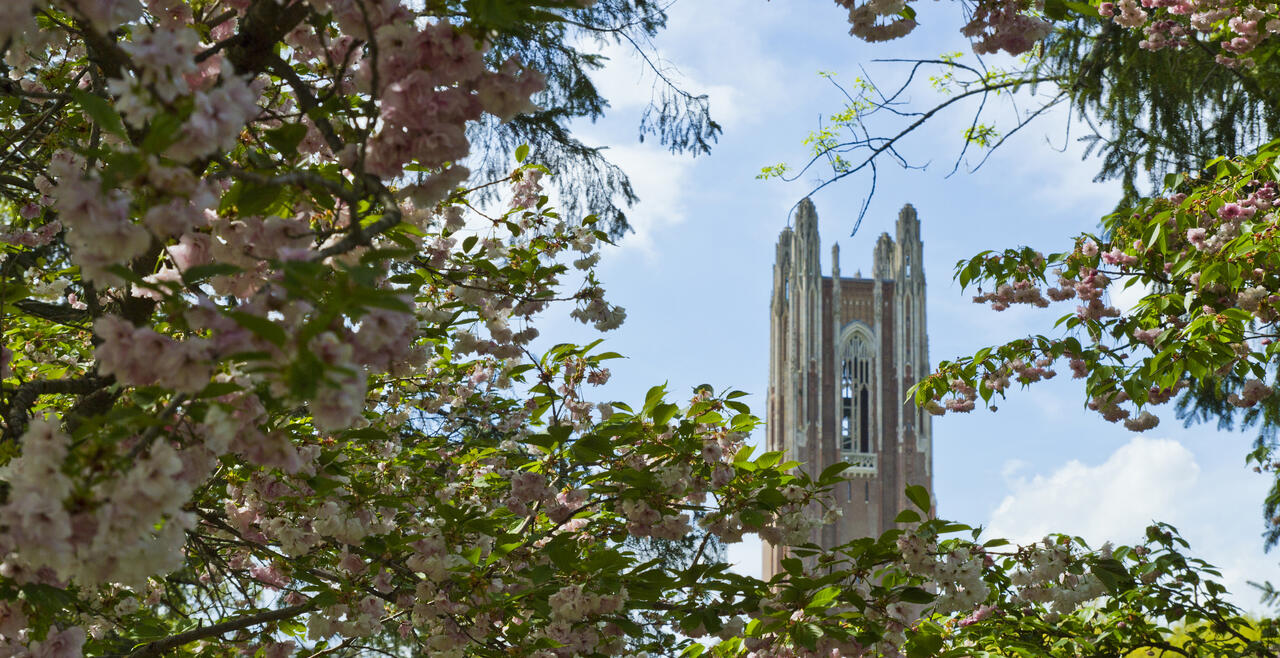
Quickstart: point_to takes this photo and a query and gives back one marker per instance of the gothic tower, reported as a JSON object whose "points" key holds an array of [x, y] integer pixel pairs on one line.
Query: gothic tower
{"points": [[844, 351]]}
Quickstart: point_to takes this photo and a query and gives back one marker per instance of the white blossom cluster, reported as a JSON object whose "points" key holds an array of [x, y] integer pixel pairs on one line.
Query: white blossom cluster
{"points": [[957, 573], [1044, 580]]}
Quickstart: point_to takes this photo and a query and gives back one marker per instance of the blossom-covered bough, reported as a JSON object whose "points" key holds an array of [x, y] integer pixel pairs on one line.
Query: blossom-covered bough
{"points": [[1204, 253], [1202, 249], [1016, 26], [268, 387]]}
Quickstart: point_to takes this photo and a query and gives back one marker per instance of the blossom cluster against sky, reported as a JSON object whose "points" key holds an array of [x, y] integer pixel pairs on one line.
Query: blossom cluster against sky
{"points": [[695, 276]]}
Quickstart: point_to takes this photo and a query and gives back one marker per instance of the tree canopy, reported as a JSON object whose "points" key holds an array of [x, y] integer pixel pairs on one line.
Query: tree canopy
{"points": [[268, 386]]}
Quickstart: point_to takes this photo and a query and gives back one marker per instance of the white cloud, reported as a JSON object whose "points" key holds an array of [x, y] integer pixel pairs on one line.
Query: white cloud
{"points": [[1146, 480], [1011, 467], [1113, 500], [660, 180]]}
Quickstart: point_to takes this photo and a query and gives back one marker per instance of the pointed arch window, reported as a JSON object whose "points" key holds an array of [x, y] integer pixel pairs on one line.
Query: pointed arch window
{"points": [[857, 371], [846, 414]]}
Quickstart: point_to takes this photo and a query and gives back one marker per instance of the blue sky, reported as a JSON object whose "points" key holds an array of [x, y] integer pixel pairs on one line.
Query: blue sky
{"points": [[695, 277]]}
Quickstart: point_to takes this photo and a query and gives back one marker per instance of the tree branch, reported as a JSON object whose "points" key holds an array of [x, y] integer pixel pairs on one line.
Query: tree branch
{"points": [[174, 641], [26, 395], [265, 23], [55, 313]]}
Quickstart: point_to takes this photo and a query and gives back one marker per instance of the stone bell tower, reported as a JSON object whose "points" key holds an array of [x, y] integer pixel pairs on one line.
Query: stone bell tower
{"points": [[843, 352]]}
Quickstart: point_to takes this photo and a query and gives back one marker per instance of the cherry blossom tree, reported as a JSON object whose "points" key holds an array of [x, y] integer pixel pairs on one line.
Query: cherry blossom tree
{"points": [[268, 386]]}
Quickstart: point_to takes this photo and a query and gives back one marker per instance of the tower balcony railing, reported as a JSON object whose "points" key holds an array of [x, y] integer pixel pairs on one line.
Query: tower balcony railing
{"points": [[860, 464]]}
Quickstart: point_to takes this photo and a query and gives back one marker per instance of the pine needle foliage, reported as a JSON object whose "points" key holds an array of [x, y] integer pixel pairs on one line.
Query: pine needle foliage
{"points": [[1156, 112], [564, 51]]}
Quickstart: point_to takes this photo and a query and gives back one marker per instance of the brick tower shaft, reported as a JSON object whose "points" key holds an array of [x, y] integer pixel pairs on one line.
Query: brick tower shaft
{"points": [[843, 353]]}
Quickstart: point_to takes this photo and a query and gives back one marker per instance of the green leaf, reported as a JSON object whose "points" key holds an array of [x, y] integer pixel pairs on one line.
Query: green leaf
{"points": [[120, 167], [522, 152], [255, 199], [907, 516], [1055, 9], [562, 553], [591, 447], [47, 596], [768, 459], [915, 595], [919, 496], [654, 396], [924, 645], [1112, 574], [710, 418], [218, 389], [1082, 8], [286, 138], [101, 112], [693, 651], [412, 279], [163, 131], [325, 598], [807, 635], [832, 472], [823, 598], [663, 413]]}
